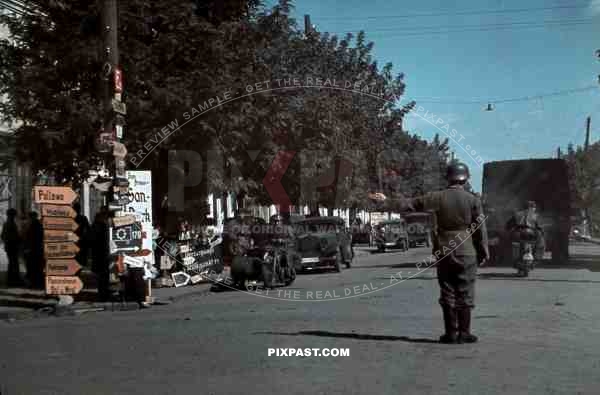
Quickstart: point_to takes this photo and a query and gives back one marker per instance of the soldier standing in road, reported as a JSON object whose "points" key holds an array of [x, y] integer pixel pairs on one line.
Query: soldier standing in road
{"points": [[461, 245]]}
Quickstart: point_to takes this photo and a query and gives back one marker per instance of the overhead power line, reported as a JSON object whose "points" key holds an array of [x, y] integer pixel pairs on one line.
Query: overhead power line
{"points": [[505, 100], [482, 28], [479, 26], [457, 13]]}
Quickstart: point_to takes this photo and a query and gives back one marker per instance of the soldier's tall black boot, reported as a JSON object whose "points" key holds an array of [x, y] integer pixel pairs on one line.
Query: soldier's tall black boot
{"points": [[450, 327], [464, 326]]}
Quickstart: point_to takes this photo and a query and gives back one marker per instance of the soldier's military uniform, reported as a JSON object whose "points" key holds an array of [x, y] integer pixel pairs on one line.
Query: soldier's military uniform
{"points": [[460, 244]]}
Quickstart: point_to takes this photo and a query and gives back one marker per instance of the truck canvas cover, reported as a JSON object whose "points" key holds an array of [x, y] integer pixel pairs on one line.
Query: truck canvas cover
{"points": [[508, 185]]}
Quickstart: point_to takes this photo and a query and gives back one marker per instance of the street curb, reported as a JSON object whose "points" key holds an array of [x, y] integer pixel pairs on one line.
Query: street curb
{"points": [[199, 291], [27, 303]]}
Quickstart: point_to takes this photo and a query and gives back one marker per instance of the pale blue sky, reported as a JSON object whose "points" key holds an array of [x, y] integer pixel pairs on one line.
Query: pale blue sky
{"points": [[497, 54]]}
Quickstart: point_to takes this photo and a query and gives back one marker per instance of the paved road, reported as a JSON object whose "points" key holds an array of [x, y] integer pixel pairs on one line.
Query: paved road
{"points": [[539, 335]]}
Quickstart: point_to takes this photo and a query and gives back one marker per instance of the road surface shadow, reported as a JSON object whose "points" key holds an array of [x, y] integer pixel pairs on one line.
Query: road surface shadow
{"points": [[357, 336], [498, 275], [418, 266], [504, 276]]}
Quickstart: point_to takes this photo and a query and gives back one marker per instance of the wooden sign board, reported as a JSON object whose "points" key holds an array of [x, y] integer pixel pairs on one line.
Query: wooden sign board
{"points": [[63, 285], [55, 236], [57, 223], [62, 267], [119, 150], [53, 210], [124, 220], [60, 250], [133, 262], [54, 195], [119, 107]]}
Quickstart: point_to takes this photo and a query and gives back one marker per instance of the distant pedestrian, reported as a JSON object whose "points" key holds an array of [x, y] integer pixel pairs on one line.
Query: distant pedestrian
{"points": [[34, 252], [83, 230], [99, 236], [12, 244]]}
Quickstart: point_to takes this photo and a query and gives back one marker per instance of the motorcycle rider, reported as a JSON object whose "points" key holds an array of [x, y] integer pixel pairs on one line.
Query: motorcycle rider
{"points": [[460, 243], [529, 218]]}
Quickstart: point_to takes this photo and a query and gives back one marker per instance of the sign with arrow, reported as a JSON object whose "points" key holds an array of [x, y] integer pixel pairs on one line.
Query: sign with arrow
{"points": [[54, 236], [62, 267], [61, 250], [59, 239], [54, 210], [54, 195], [57, 223], [124, 220], [63, 285]]}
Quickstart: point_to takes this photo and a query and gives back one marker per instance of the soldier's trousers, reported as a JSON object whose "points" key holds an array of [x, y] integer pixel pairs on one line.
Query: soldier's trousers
{"points": [[456, 277]]}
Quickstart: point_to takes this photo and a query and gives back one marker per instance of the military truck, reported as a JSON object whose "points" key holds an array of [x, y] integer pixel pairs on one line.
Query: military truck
{"points": [[509, 185]]}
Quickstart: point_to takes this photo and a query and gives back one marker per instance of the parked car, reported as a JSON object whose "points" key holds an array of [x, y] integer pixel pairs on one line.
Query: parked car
{"points": [[391, 234], [419, 226], [322, 243]]}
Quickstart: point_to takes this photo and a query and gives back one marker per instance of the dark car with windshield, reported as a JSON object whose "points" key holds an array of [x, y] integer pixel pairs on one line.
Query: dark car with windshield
{"points": [[391, 234], [418, 226], [322, 243]]}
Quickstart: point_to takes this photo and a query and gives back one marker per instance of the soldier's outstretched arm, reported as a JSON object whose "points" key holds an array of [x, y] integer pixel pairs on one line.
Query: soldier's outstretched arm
{"points": [[399, 204]]}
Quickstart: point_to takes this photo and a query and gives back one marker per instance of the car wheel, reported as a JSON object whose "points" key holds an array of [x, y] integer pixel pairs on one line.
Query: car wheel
{"points": [[268, 276], [338, 261], [291, 271]]}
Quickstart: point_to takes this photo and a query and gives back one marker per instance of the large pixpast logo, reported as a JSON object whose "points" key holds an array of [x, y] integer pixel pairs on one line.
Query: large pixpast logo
{"points": [[280, 163]]}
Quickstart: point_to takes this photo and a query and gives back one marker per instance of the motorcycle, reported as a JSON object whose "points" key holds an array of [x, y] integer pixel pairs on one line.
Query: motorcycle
{"points": [[267, 264], [524, 244]]}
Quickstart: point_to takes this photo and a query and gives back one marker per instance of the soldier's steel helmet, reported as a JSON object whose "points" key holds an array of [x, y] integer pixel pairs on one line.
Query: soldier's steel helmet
{"points": [[457, 171]]}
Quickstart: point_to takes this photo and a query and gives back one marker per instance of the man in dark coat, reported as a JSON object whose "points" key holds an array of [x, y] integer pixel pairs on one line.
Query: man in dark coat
{"points": [[12, 244], [460, 245], [34, 252], [83, 229], [101, 253]]}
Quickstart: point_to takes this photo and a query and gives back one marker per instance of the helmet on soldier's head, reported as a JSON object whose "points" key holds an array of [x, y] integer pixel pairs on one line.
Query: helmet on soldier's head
{"points": [[457, 172]]}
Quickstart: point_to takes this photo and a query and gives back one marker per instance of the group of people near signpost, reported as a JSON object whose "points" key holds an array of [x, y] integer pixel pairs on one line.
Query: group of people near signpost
{"points": [[24, 238]]}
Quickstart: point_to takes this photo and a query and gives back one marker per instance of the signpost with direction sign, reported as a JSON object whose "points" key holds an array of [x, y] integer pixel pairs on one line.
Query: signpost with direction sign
{"points": [[62, 267], [59, 239], [57, 236], [63, 285], [58, 223]]}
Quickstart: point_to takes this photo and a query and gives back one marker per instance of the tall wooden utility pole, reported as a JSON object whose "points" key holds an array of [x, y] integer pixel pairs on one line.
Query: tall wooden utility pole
{"points": [[307, 25], [587, 133], [114, 109]]}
